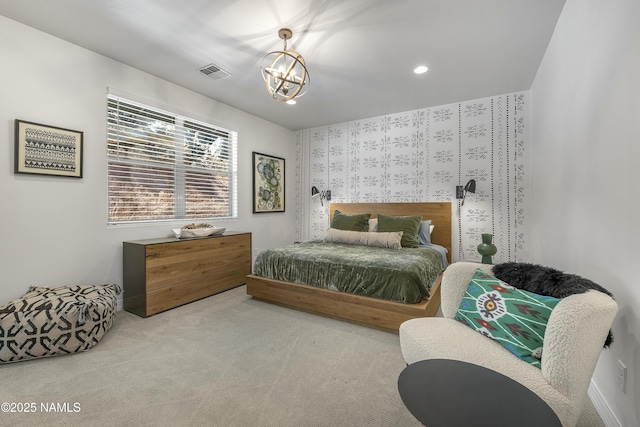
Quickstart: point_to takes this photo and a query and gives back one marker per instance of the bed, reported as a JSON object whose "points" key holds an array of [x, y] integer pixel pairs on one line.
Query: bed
{"points": [[370, 310]]}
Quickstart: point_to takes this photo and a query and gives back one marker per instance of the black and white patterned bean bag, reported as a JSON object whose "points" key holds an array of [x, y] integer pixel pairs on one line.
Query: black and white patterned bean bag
{"points": [[52, 321]]}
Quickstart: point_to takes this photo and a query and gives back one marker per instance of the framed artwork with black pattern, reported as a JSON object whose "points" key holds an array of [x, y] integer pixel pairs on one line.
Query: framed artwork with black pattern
{"points": [[47, 150]]}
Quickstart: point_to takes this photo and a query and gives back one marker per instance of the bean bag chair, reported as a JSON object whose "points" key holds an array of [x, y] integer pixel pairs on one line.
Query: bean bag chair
{"points": [[54, 321]]}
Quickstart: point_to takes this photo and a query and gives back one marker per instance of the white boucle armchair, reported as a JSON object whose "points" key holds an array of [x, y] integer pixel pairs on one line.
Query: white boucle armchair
{"points": [[574, 338]]}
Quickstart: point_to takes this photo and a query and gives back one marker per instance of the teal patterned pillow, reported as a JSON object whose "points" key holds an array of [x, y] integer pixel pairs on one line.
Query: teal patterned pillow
{"points": [[516, 319]]}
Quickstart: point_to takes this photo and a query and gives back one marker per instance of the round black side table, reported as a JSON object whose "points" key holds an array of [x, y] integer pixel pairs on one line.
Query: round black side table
{"points": [[451, 393]]}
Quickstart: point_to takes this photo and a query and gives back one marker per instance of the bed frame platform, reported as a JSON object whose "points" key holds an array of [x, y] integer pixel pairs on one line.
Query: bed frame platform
{"points": [[373, 312]]}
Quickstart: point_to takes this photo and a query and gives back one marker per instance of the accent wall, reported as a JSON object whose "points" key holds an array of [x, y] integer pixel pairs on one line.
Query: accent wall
{"points": [[422, 155]]}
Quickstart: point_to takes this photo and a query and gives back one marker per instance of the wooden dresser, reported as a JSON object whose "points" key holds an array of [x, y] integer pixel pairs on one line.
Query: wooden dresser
{"points": [[160, 274]]}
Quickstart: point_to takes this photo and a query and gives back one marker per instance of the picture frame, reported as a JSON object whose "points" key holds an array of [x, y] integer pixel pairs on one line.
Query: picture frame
{"points": [[47, 150], [268, 183]]}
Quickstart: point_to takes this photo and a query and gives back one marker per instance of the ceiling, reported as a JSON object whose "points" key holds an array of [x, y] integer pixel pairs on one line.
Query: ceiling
{"points": [[360, 53]]}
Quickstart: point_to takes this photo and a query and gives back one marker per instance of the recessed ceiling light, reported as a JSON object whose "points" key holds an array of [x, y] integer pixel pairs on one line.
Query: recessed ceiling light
{"points": [[421, 69], [291, 101]]}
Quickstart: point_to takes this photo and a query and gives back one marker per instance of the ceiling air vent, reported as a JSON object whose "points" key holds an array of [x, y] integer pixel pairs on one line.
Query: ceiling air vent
{"points": [[214, 72]]}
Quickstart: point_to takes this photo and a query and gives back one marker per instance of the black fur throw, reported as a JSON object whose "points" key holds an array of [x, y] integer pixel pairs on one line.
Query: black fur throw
{"points": [[546, 281]]}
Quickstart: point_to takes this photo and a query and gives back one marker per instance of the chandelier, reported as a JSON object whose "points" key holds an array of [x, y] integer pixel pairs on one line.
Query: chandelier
{"points": [[285, 72]]}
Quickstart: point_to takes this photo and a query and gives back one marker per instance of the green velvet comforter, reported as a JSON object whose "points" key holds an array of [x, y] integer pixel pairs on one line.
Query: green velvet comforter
{"points": [[402, 275]]}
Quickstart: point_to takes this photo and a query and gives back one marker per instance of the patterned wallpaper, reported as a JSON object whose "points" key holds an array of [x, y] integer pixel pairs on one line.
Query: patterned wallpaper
{"points": [[422, 155]]}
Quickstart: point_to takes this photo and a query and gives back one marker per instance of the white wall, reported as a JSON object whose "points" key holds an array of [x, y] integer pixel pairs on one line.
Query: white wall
{"points": [[422, 155], [54, 230], [586, 154]]}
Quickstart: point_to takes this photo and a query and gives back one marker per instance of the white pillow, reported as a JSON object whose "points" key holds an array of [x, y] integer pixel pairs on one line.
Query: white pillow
{"points": [[373, 225], [384, 240]]}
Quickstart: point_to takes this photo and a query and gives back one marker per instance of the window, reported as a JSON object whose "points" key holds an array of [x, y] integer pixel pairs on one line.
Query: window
{"points": [[164, 166]]}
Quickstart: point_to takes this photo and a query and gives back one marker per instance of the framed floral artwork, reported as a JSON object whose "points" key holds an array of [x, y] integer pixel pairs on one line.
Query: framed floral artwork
{"points": [[268, 183]]}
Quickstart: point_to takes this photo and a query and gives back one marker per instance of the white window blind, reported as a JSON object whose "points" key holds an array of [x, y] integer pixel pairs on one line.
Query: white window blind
{"points": [[164, 166]]}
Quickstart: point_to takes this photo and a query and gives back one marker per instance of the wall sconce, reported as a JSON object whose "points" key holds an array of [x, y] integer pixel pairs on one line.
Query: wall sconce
{"points": [[323, 195], [461, 193]]}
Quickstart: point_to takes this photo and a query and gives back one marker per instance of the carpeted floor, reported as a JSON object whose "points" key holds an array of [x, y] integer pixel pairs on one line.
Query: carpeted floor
{"points": [[227, 360]]}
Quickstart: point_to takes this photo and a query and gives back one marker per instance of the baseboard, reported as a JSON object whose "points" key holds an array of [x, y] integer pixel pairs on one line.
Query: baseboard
{"points": [[601, 406]]}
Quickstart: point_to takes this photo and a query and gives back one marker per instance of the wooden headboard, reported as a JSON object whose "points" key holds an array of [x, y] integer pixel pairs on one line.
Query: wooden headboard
{"points": [[438, 212]]}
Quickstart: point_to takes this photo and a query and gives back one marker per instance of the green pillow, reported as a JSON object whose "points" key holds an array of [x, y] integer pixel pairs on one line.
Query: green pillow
{"points": [[359, 222], [409, 226], [515, 318]]}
